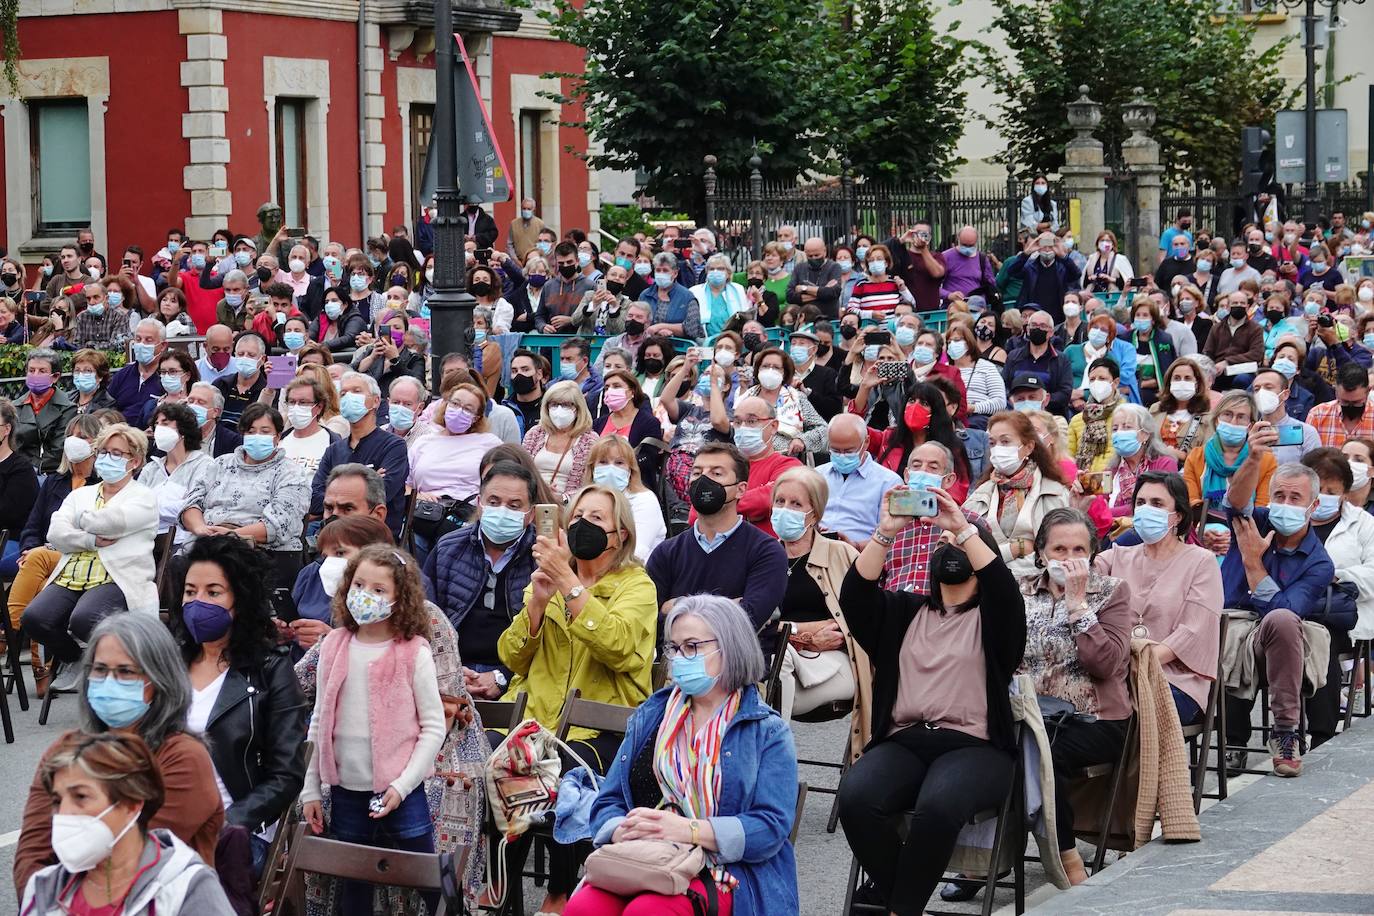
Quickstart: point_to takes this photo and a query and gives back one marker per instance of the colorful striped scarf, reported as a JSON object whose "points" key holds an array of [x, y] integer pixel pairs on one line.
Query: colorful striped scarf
{"points": [[688, 766]]}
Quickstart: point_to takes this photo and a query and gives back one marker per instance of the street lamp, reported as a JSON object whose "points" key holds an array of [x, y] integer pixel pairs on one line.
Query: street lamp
{"points": [[1311, 197], [450, 305]]}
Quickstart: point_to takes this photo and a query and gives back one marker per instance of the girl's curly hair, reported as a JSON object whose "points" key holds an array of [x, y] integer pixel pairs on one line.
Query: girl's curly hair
{"points": [[409, 616]]}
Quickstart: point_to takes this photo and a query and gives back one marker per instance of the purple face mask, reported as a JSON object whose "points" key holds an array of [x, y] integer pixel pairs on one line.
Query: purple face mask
{"points": [[38, 383], [458, 420], [205, 622], [398, 338]]}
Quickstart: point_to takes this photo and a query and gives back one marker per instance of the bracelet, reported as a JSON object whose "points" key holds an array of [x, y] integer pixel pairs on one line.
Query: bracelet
{"points": [[883, 539], [968, 532], [696, 832]]}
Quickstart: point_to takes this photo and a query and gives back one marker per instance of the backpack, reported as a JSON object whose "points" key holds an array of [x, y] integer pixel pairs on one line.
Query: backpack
{"points": [[522, 777]]}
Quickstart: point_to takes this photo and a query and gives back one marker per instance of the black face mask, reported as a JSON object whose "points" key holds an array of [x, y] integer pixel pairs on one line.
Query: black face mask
{"points": [[1037, 336], [1255, 247], [823, 351], [87, 247], [522, 384], [848, 331], [708, 497], [651, 365], [481, 288], [264, 274], [9, 279], [983, 332], [755, 282], [587, 540], [753, 341], [1352, 412], [1238, 313], [614, 287], [567, 270], [816, 263], [633, 326], [950, 566], [1274, 316]]}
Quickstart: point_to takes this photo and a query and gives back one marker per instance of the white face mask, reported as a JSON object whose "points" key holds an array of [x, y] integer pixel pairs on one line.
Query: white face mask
{"points": [[76, 449], [1005, 458], [1182, 391], [561, 416], [165, 437], [82, 841], [1360, 471], [300, 416], [331, 573], [1101, 390], [1058, 574], [1267, 401], [725, 358], [1072, 310], [770, 379]]}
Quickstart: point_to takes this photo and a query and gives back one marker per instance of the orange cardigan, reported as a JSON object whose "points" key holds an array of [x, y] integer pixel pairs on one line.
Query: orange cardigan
{"points": [[1195, 466]]}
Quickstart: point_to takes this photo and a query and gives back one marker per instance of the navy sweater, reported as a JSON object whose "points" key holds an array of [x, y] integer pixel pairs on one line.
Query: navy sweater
{"points": [[749, 566]]}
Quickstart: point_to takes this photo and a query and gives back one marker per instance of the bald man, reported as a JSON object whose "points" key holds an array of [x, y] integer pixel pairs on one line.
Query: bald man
{"points": [[816, 281], [858, 483], [756, 425]]}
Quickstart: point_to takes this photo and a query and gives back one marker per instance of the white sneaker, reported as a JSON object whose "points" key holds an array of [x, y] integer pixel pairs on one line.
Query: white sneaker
{"points": [[66, 679]]}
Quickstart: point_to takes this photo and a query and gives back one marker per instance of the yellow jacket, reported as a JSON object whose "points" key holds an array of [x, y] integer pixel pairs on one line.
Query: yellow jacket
{"points": [[607, 652], [1099, 462]]}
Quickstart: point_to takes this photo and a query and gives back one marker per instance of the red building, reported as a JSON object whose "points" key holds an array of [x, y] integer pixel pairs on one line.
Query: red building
{"points": [[134, 116]]}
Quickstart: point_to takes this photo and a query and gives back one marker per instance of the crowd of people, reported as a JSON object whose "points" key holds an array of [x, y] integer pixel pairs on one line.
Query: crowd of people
{"points": [[276, 560]]}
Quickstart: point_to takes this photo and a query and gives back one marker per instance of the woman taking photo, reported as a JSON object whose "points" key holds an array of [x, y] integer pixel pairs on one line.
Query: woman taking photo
{"points": [[244, 696], [1135, 449], [697, 408], [613, 465], [942, 718], [172, 475], [824, 664], [706, 762], [109, 785], [1210, 466], [1107, 270], [171, 311], [1022, 484], [105, 534], [1078, 649], [984, 388], [133, 681], [1183, 409], [1175, 587], [925, 418], [560, 442], [588, 623], [392, 354]]}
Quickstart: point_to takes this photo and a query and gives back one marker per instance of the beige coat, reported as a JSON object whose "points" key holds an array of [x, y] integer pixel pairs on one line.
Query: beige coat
{"points": [[828, 564], [1043, 496]]}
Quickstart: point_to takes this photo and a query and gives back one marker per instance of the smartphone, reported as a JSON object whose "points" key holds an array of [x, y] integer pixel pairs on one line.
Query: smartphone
{"points": [[34, 295], [281, 370], [881, 338], [482, 255], [128, 263], [682, 244], [296, 231], [220, 251], [546, 520], [1289, 434], [1138, 282], [891, 370], [705, 354], [1092, 481], [912, 503]]}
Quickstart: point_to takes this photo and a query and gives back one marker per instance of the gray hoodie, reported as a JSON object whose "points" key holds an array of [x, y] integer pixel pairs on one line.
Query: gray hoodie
{"points": [[179, 883]]}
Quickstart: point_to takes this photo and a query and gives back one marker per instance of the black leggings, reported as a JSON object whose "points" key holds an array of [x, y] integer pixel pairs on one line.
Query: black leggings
{"points": [[1074, 746], [946, 776]]}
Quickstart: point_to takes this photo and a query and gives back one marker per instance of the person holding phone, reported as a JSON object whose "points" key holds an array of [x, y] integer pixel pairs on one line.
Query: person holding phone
{"points": [[1107, 269], [1295, 438]]}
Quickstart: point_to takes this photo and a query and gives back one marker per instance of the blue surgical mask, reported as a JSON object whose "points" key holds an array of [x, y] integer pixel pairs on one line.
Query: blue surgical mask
{"points": [[567, 370], [1126, 442], [749, 440], [690, 674], [906, 337], [402, 417], [1287, 519], [202, 413], [800, 353], [789, 524], [1328, 507], [233, 300], [922, 480], [144, 352], [845, 265], [1097, 337], [624, 262], [1311, 309], [242, 258], [663, 281], [171, 382], [85, 382], [357, 282], [333, 309], [117, 705], [116, 299], [294, 340], [877, 268], [643, 268], [1025, 406], [923, 355], [245, 365], [110, 469], [871, 352], [198, 260], [956, 349], [501, 525], [584, 258], [1231, 433], [544, 247], [1151, 523], [1285, 367], [353, 407], [967, 250], [860, 252], [715, 277], [704, 386], [610, 475], [479, 335], [1142, 325], [258, 446], [846, 462], [1368, 341], [96, 308]]}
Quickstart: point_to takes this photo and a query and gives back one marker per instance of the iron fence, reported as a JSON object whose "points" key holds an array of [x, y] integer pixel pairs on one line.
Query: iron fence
{"points": [[1226, 210]]}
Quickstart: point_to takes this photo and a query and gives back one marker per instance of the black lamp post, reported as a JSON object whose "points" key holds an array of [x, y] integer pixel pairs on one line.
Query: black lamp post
{"points": [[451, 304]]}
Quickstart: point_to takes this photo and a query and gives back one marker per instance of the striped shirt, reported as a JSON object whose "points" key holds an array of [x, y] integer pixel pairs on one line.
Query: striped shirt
{"points": [[83, 571], [874, 296]]}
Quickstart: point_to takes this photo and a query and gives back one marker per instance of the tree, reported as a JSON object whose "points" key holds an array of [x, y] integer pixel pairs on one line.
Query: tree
{"points": [[666, 84], [902, 108], [1200, 69], [9, 45]]}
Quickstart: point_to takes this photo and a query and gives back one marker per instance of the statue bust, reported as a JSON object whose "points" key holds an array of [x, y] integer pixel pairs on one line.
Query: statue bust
{"points": [[270, 219]]}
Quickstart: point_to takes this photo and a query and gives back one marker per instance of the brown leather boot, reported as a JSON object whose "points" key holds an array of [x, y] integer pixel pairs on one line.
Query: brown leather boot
{"points": [[1073, 866], [40, 671]]}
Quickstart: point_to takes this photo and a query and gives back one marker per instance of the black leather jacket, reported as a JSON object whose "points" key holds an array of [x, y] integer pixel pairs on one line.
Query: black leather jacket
{"points": [[256, 736]]}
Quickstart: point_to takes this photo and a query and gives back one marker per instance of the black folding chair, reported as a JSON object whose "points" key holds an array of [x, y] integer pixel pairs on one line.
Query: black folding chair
{"points": [[1201, 735], [12, 658]]}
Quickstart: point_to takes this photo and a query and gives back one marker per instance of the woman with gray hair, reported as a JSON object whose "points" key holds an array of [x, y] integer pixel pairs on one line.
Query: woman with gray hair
{"points": [[718, 297], [675, 309], [706, 762], [132, 679], [1136, 447]]}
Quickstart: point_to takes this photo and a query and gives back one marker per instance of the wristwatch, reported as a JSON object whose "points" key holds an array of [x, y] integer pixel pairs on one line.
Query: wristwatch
{"points": [[575, 592], [499, 676], [696, 832]]}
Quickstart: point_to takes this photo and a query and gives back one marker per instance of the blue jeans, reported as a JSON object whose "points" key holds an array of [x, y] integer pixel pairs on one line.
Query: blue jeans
{"points": [[9, 561], [1188, 710], [409, 828]]}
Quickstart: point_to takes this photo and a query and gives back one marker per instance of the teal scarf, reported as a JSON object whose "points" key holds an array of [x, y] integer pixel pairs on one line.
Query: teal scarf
{"points": [[1218, 473]]}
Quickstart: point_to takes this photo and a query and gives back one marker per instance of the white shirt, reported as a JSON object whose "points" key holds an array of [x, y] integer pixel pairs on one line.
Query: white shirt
{"points": [[307, 451], [649, 527], [198, 717]]}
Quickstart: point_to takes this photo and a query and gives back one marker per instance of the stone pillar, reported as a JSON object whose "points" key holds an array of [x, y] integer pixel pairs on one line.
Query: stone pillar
{"points": [[1141, 154], [374, 112], [202, 73], [1084, 174]]}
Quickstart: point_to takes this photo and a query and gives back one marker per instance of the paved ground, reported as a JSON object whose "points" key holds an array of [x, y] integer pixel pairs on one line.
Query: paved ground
{"points": [[1247, 825]]}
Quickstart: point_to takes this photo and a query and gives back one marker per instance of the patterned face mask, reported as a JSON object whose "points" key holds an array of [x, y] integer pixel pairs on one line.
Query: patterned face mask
{"points": [[367, 607]]}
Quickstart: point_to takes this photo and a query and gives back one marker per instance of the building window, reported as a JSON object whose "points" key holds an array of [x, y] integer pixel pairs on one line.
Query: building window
{"points": [[531, 168], [421, 129], [60, 156], [292, 171]]}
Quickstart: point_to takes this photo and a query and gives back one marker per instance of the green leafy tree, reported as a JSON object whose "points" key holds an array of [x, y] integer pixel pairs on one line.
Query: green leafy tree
{"points": [[9, 45], [666, 83], [1201, 70], [902, 110]]}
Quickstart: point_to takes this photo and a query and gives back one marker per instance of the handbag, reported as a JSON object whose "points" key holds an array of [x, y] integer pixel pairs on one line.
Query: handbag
{"points": [[652, 867], [433, 518]]}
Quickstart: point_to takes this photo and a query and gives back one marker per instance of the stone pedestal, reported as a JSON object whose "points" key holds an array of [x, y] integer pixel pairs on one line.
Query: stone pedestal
{"points": [[1140, 152], [1084, 174], [202, 73]]}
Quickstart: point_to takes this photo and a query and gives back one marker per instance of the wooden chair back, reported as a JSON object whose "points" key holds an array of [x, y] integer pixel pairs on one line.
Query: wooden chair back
{"points": [[393, 868], [601, 717], [502, 713]]}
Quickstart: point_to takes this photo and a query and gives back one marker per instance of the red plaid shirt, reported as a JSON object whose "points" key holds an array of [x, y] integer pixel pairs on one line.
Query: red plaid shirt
{"points": [[908, 562], [1331, 429]]}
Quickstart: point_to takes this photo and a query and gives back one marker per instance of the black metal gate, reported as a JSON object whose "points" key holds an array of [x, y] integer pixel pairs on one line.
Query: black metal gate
{"points": [[1121, 214]]}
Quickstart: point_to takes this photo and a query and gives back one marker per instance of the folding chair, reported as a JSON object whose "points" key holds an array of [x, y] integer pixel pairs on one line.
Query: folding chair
{"points": [[829, 713], [1008, 846], [11, 673], [1266, 727], [1200, 735], [797, 815], [350, 861], [273, 870], [601, 717], [1359, 654], [407, 528], [1117, 771], [502, 713]]}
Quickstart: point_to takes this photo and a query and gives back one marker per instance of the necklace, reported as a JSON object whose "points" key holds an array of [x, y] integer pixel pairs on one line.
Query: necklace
{"points": [[792, 565]]}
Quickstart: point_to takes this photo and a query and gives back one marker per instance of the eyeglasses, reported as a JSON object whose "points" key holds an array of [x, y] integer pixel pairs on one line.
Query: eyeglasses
{"points": [[689, 649], [124, 674], [113, 453]]}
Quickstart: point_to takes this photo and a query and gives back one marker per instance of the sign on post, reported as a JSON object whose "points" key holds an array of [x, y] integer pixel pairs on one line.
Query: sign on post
{"points": [[1290, 146], [482, 171]]}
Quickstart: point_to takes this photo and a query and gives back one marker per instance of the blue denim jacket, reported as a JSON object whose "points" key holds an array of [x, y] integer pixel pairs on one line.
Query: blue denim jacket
{"points": [[757, 803]]}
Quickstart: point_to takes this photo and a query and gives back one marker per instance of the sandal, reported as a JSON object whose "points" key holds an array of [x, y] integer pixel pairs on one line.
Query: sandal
{"points": [[41, 672]]}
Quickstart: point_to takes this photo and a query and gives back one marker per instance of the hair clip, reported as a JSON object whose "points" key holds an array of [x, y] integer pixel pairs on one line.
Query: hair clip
{"points": [[399, 559]]}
